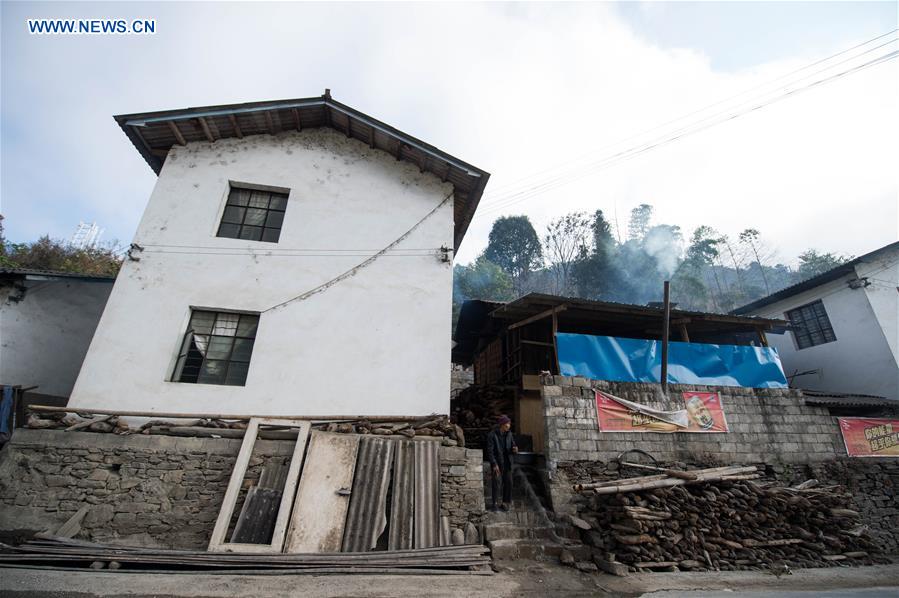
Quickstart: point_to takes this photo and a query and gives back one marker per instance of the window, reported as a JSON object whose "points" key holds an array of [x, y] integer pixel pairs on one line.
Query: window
{"points": [[811, 325], [216, 348], [253, 215]]}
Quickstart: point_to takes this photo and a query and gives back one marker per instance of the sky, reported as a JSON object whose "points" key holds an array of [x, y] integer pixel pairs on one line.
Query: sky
{"points": [[534, 93]]}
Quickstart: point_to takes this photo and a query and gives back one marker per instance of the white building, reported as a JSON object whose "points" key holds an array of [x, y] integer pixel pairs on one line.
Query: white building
{"points": [[295, 258], [845, 335]]}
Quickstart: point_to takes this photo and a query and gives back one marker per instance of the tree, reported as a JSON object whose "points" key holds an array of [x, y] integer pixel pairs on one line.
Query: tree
{"points": [[688, 285], [514, 246], [750, 238], [593, 273], [566, 239], [638, 225], [812, 263], [482, 279], [58, 256]]}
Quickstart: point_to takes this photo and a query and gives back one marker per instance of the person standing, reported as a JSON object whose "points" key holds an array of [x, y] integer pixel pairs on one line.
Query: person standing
{"points": [[500, 448]]}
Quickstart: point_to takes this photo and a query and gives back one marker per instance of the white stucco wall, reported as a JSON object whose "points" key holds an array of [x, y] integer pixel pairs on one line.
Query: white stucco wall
{"points": [[883, 295], [44, 337], [376, 343], [859, 361]]}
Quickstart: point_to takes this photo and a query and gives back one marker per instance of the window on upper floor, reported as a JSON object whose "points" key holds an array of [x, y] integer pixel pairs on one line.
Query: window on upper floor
{"points": [[253, 215], [216, 348], [811, 326]]}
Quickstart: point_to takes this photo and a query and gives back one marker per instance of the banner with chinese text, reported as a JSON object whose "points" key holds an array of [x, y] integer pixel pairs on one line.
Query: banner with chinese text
{"points": [[870, 437], [703, 413]]}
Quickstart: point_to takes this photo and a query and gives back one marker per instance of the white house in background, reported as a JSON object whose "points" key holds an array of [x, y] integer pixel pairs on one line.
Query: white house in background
{"points": [[845, 335], [47, 320], [295, 258]]}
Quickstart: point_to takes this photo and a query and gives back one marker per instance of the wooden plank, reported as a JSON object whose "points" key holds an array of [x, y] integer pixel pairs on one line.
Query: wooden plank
{"points": [[531, 382], [530, 419], [237, 417], [544, 314], [177, 133], [70, 528], [236, 126], [237, 474], [205, 126], [290, 485], [320, 509]]}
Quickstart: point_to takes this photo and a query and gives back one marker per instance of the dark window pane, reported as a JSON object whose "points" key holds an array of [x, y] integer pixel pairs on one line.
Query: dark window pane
{"points": [[233, 214], [243, 349], [239, 197], [219, 347], [247, 326], [255, 217], [811, 325], [271, 235], [274, 219], [231, 231], [212, 372], [251, 233], [259, 199], [237, 373], [279, 202], [201, 321]]}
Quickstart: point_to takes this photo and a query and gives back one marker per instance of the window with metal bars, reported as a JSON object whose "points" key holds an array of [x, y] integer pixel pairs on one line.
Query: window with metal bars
{"points": [[216, 348], [811, 326], [253, 215]]}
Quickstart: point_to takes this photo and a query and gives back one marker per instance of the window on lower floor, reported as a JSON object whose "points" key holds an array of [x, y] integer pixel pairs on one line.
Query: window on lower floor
{"points": [[216, 348], [811, 326], [253, 215]]}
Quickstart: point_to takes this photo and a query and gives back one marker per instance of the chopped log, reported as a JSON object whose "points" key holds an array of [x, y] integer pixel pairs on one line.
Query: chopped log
{"points": [[656, 564], [844, 513], [632, 540]]}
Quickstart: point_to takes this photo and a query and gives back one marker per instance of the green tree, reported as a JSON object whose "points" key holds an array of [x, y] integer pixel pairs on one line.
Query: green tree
{"points": [[514, 246], [813, 263], [482, 279], [58, 256], [751, 239], [688, 284], [567, 238], [593, 271], [638, 225]]}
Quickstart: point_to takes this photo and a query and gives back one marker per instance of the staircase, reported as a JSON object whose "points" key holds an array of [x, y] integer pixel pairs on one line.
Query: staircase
{"points": [[527, 530]]}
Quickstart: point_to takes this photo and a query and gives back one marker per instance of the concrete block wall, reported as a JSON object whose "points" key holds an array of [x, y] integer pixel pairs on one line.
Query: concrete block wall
{"points": [[159, 490], [765, 425]]}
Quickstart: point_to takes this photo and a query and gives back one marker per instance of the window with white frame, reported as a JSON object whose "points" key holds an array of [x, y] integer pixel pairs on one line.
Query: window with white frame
{"points": [[811, 326], [216, 348]]}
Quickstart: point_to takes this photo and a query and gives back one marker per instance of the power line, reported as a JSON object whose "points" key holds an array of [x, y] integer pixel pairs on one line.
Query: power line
{"points": [[566, 178]]}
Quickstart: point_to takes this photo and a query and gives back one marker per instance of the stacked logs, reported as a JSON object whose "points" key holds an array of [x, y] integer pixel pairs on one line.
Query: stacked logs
{"points": [[725, 524], [477, 408]]}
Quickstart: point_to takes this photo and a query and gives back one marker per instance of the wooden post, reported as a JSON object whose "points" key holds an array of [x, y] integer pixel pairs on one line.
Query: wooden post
{"points": [[555, 344], [665, 326]]}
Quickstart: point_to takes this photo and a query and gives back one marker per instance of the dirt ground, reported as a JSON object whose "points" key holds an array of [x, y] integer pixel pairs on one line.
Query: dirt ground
{"points": [[518, 578]]}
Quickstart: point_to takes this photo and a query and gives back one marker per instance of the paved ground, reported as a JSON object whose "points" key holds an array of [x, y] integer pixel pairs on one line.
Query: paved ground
{"points": [[518, 578]]}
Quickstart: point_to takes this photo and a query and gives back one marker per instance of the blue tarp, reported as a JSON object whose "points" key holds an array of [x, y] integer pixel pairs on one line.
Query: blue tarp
{"points": [[637, 360]]}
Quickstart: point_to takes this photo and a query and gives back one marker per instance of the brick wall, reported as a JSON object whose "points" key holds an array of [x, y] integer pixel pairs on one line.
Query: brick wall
{"points": [[765, 425], [159, 490]]}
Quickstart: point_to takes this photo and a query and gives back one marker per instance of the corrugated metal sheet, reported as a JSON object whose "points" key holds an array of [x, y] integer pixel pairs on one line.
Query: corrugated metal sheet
{"points": [[367, 516], [427, 494], [402, 504]]}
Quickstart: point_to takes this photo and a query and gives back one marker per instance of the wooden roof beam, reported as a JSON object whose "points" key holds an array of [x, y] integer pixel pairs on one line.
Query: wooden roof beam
{"points": [[296, 117], [205, 126], [371, 137], [236, 126], [545, 314], [177, 133], [270, 123]]}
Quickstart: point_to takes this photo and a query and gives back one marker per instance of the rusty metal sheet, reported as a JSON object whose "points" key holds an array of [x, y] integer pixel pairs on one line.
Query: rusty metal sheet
{"points": [[402, 503], [427, 494], [367, 515], [320, 509]]}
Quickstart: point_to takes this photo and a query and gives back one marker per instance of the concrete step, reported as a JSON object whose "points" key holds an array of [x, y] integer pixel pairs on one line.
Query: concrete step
{"points": [[514, 531], [534, 549], [523, 517]]}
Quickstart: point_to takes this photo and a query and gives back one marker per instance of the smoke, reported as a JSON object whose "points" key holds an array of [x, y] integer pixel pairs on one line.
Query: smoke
{"points": [[665, 244]]}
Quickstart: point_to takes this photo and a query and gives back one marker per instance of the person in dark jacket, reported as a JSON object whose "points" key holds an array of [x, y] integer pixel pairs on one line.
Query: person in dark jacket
{"points": [[500, 448]]}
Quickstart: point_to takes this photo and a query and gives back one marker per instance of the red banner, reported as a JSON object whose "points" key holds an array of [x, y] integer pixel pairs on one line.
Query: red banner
{"points": [[870, 437], [703, 414]]}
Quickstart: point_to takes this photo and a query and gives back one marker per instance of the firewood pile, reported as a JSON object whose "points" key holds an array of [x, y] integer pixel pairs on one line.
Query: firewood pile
{"points": [[433, 426], [720, 519], [477, 408]]}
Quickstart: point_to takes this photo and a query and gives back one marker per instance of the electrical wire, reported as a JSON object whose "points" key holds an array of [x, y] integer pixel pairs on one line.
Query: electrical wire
{"points": [[636, 150], [502, 189]]}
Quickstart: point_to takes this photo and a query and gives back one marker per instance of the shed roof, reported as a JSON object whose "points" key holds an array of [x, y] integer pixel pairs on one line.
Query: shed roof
{"points": [[815, 281], [841, 399], [154, 134], [482, 319]]}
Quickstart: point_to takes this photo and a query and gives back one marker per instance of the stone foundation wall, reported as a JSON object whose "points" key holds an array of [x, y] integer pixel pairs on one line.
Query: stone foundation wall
{"points": [[765, 425], [159, 490]]}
